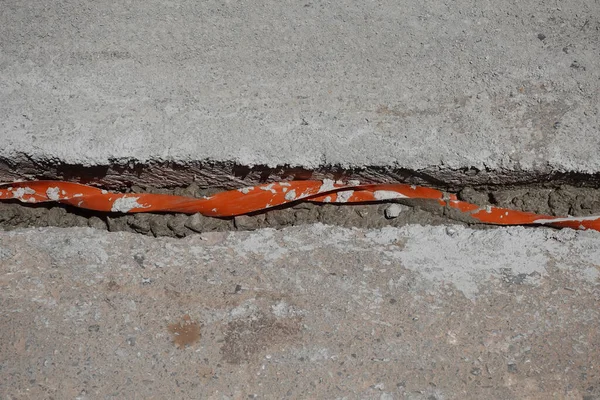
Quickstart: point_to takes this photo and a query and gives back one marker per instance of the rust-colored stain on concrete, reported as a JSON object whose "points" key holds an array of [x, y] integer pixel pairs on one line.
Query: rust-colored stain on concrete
{"points": [[185, 333]]}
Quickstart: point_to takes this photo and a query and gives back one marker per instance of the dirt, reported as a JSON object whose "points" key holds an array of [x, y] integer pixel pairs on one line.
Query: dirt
{"points": [[560, 200], [185, 333]]}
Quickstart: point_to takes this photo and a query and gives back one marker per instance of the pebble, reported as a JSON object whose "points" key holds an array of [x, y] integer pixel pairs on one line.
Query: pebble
{"points": [[451, 231], [394, 210]]}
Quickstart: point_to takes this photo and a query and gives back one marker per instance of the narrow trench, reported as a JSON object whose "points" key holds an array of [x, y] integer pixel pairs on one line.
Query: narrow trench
{"points": [[558, 195]]}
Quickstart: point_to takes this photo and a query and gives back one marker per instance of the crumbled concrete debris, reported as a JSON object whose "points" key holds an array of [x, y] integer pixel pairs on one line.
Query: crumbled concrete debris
{"points": [[160, 226], [563, 200], [249, 222], [177, 225], [140, 223], [97, 223]]}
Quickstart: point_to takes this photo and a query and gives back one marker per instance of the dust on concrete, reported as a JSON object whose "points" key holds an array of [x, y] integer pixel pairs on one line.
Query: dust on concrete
{"points": [[561, 200]]}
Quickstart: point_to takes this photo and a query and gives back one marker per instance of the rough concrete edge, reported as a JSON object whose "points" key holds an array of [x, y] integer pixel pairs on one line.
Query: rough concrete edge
{"points": [[122, 173]]}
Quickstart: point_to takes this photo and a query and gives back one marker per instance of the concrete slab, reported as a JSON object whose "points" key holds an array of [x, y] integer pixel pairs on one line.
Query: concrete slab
{"points": [[154, 92], [497, 85], [314, 312]]}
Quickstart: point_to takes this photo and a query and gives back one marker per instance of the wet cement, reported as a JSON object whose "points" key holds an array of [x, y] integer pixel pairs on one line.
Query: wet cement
{"points": [[559, 201]]}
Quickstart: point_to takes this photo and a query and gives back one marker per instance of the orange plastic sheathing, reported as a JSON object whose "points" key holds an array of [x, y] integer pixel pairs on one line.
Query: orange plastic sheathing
{"points": [[265, 196]]}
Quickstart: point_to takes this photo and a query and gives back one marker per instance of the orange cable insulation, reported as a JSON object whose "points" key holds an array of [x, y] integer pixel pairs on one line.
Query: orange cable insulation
{"points": [[265, 196]]}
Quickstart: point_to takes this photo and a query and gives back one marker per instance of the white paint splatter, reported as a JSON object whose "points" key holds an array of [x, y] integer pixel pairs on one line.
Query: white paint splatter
{"points": [[353, 182], [269, 187], [20, 192], [291, 195], [125, 204], [550, 220], [285, 184], [52, 193], [327, 185], [488, 209], [103, 191], [327, 199], [387, 195], [344, 196], [246, 190], [78, 195]]}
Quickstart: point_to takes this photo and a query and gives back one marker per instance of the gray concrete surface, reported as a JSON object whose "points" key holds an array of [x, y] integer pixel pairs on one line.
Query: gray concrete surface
{"points": [[509, 88], [497, 85], [314, 312]]}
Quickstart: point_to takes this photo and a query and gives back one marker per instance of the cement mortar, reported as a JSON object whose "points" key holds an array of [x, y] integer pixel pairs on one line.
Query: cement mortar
{"points": [[14, 215], [560, 201]]}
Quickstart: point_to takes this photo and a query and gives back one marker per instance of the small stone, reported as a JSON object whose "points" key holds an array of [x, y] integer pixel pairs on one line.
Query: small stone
{"points": [[541, 36], [394, 210], [451, 231], [512, 368]]}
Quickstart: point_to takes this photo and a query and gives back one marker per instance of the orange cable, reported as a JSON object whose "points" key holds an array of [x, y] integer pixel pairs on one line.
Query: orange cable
{"points": [[265, 196]]}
